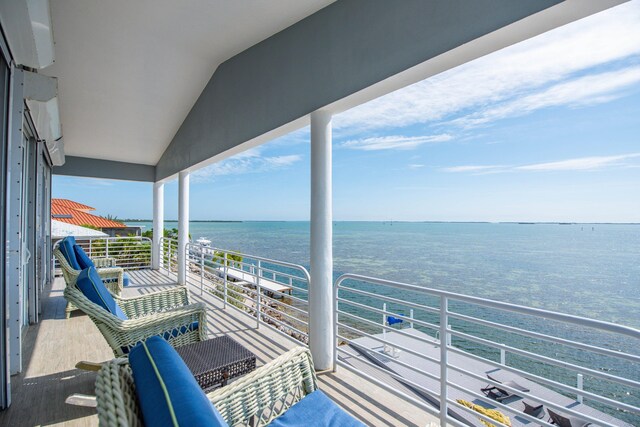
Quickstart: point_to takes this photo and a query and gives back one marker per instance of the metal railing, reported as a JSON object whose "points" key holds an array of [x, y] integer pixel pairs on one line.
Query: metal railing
{"points": [[130, 253], [550, 349], [169, 254], [277, 290]]}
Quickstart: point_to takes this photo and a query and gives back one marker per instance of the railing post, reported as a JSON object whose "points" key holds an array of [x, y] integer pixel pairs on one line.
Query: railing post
{"points": [[258, 293], [158, 224], [411, 316], [579, 386], [169, 256], [503, 357], [335, 323], [106, 250], [90, 248], [384, 331], [201, 271], [225, 270], [444, 339]]}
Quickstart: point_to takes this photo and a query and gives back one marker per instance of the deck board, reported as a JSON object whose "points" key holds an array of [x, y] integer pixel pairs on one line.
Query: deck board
{"points": [[56, 344]]}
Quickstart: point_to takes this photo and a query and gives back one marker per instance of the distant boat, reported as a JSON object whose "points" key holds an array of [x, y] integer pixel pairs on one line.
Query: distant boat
{"points": [[204, 247], [203, 241]]}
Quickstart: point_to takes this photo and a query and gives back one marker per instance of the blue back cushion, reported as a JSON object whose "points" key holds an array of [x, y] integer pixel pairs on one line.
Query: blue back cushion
{"points": [[90, 284], [83, 259], [167, 391], [66, 247], [318, 410]]}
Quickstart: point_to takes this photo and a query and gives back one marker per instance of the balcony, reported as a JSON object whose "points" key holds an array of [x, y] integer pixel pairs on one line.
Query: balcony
{"points": [[56, 344], [387, 372]]}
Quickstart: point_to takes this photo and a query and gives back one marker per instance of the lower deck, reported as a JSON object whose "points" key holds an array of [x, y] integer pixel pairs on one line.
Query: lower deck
{"points": [[56, 344]]}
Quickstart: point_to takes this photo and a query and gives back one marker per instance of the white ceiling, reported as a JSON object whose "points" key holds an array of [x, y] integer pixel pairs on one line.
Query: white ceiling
{"points": [[130, 71]]}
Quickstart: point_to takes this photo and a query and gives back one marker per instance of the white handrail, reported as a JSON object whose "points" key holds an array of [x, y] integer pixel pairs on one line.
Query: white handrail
{"points": [[379, 290]]}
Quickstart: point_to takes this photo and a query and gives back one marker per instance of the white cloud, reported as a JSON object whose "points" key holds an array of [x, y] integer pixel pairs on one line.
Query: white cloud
{"points": [[394, 142], [577, 164], [518, 72], [415, 166], [472, 168], [250, 161], [586, 90], [582, 163]]}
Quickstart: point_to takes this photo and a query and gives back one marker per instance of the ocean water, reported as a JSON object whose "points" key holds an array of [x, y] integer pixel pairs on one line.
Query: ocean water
{"points": [[587, 270], [590, 270]]}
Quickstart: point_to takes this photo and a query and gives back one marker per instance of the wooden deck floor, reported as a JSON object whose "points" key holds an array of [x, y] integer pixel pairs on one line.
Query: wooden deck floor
{"points": [[52, 348]]}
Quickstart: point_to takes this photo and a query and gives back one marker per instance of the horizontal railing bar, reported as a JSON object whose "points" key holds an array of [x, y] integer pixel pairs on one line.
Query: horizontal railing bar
{"points": [[491, 421], [537, 378], [386, 356], [391, 299], [389, 328], [576, 320], [285, 335], [388, 313], [286, 325], [546, 359], [408, 350], [545, 337], [482, 417], [288, 315], [291, 297], [258, 258], [532, 396], [394, 375], [275, 301]]}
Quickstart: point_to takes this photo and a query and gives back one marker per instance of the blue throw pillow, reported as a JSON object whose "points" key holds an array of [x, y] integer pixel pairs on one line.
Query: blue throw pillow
{"points": [[66, 247], [90, 284], [167, 391], [316, 409], [83, 259]]}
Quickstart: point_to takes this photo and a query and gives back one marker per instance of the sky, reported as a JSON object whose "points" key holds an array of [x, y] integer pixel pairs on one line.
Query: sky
{"points": [[544, 130]]}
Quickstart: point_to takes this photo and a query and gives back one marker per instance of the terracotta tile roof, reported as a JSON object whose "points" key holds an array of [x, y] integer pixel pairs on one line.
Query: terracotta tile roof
{"points": [[63, 213], [71, 204]]}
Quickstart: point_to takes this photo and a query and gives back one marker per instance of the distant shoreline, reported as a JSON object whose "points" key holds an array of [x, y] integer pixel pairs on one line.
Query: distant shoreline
{"points": [[405, 222]]}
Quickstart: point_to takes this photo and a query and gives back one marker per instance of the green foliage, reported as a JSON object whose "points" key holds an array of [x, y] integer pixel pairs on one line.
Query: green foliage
{"points": [[235, 294], [92, 227], [127, 251], [233, 260], [171, 234]]}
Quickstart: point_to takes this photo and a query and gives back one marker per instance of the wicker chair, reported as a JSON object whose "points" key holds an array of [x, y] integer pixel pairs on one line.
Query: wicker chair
{"points": [[112, 276], [166, 313], [262, 395]]}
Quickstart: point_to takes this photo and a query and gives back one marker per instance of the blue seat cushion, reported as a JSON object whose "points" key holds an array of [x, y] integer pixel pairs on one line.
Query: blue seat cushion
{"points": [[90, 284], [167, 391], [83, 259], [66, 247], [172, 334], [318, 410]]}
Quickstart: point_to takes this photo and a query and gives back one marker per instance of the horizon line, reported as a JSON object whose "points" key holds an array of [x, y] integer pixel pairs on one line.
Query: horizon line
{"points": [[402, 221]]}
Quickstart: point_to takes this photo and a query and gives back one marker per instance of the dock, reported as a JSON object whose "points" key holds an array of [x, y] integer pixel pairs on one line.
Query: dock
{"points": [[246, 277], [369, 350]]}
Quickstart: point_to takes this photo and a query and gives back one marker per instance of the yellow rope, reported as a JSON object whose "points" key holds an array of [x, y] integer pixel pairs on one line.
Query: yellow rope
{"points": [[491, 413]]}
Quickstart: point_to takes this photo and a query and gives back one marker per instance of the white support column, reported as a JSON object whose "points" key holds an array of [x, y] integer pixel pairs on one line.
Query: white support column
{"points": [[183, 225], [321, 336], [158, 222]]}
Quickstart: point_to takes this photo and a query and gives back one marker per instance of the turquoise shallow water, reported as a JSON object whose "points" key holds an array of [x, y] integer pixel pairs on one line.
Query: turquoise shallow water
{"points": [[581, 269], [587, 270]]}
